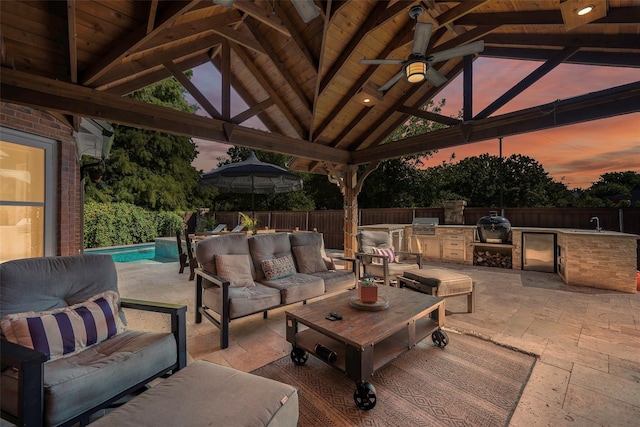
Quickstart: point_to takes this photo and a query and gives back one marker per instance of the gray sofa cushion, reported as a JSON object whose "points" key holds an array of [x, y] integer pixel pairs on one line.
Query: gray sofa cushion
{"points": [[75, 384], [268, 246], [208, 394], [335, 280], [298, 287], [39, 284], [226, 244], [243, 301]]}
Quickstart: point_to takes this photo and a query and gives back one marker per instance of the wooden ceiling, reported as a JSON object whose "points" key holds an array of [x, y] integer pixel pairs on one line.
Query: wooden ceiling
{"points": [[303, 80]]}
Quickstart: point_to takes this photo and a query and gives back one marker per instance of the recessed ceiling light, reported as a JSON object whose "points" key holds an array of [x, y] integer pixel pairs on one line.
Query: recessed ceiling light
{"points": [[585, 10], [366, 100]]}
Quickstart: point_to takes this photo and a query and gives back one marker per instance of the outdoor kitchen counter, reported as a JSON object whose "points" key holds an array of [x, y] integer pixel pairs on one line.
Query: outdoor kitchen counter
{"points": [[604, 259]]}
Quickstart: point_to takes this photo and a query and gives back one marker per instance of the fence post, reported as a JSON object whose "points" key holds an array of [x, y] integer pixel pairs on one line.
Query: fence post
{"points": [[621, 220]]}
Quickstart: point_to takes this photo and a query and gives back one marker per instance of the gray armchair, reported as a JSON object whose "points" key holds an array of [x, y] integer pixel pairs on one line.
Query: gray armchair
{"points": [[379, 265], [86, 369]]}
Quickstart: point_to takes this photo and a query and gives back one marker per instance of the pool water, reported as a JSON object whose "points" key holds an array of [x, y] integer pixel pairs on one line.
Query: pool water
{"points": [[133, 253]]}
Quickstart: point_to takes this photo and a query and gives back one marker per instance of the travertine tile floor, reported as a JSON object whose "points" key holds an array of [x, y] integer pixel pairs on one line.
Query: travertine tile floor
{"points": [[587, 340]]}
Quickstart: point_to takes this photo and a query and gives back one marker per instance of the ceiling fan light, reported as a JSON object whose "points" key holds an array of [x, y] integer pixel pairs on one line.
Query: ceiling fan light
{"points": [[416, 71]]}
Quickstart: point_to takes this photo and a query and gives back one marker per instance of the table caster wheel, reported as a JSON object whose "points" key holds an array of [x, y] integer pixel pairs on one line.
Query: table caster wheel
{"points": [[365, 396], [299, 356], [440, 338]]}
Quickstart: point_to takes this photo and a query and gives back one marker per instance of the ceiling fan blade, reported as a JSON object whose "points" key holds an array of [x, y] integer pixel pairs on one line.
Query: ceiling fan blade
{"points": [[382, 61], [464, 50], [392, 81], [435, 77], [421, 37]]}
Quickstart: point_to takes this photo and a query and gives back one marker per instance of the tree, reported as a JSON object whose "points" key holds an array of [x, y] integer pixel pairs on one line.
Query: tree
{"points": [[400, 182], [613, 189], [153, 169], [477, 180]]}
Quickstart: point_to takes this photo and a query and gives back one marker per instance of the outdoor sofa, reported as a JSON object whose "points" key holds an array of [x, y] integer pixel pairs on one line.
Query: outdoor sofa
{"points": [[243, 275], [66, 351]]}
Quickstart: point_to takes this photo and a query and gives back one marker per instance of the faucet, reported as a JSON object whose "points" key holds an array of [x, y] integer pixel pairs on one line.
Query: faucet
{"points": [[598, 228]]}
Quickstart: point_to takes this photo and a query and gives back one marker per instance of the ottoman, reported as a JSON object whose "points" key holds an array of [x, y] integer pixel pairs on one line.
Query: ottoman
{"points": [[440, 283], [207, 394]]}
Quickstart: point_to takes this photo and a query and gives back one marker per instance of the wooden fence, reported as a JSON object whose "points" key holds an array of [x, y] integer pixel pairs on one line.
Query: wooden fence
{"points": [[331, 222]]}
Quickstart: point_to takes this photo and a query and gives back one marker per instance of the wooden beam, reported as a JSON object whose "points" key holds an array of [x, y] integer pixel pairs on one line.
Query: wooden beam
{"points": [[596, 105], [250, 112], [273, 94], [459, 11], [284, 72], [146, 63], [47, 94], [297, 38], [610, 59], [190, 87], [405, 32], [369, 24], [584, 41], [260, 14], [73, 42], [226, 80], [134, 40], [151, 21], [467, 88], [428, 115], [189, 29], [523, 84]]}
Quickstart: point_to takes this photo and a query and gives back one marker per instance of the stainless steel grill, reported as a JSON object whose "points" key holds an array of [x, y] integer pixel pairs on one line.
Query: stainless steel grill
{"points": [[424, 225]]}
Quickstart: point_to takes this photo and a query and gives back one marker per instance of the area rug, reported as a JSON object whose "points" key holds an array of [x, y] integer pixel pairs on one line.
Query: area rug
{"points": [[470, 382]]}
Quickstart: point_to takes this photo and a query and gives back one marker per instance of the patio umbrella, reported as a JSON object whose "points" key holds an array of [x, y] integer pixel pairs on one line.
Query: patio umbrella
{"points": [[251, 176]]}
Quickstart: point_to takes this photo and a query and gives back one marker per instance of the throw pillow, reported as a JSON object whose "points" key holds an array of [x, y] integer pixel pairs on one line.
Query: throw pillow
{"points": [[66, 331], [278, 268], [236, 269], [388, 252], [309, 259]]}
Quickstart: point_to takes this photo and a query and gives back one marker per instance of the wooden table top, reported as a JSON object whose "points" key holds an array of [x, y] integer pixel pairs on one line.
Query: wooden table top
{"points": [[361, 327]]}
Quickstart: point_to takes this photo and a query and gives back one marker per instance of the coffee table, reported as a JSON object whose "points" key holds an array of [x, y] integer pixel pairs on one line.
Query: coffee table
{"points": [[364, 340]]}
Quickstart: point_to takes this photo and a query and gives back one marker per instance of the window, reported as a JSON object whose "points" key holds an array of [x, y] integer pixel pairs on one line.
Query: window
{"points": [[27, 205]]}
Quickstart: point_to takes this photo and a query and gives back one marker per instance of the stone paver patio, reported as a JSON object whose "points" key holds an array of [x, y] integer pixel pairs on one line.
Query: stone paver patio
{"points": [[587, 340]]}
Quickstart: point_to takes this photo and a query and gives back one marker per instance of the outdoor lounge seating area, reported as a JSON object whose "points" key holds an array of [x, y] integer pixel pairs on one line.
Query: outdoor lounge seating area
{"points": [[243, 275]]}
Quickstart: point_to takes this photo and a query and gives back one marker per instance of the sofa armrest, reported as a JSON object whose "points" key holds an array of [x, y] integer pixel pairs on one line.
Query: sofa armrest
{"points": [[178, 322], [30, 366], [223, 310], [352, 260]]}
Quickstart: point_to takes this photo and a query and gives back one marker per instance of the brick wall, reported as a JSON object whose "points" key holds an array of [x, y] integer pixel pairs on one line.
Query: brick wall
{"points": [[69, 216]]}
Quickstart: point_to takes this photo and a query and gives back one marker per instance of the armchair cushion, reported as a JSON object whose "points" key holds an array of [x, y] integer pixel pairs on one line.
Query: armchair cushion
{"points": [[66, 331], [309, 259], [388, 252], [236, 269]]}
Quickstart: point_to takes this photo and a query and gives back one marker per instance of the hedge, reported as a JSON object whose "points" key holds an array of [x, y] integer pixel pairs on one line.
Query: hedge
{"points": [[117, 224]]}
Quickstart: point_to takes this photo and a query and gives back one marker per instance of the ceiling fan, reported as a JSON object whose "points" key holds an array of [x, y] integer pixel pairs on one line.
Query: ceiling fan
{"points": [[417, 67]]}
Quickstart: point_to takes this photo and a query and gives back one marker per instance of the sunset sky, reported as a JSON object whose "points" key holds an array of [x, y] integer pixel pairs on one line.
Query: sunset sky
{"points": [[576, 155]]}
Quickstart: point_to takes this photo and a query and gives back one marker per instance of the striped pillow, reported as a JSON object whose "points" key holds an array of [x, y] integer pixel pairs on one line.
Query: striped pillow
{"points": [[389, 252], [68, 330]]}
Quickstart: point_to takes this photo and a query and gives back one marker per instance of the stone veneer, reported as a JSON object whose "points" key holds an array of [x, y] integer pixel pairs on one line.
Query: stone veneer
{"points": [[69, 215], [605, 260]]}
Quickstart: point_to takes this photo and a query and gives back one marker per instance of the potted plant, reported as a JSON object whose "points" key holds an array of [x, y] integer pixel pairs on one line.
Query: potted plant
{"points": [[368, 290]]}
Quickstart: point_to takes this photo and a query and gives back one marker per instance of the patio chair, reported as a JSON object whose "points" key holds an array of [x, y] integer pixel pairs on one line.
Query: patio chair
{"points": [[185, 255], [381, 260], [67, 311]]}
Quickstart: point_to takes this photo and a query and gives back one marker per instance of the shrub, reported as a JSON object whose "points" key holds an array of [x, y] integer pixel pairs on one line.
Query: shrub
{"points": [[117, 224]]}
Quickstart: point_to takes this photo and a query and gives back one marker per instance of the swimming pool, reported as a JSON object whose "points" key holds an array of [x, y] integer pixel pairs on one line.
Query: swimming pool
{"points": [[145, 252]]}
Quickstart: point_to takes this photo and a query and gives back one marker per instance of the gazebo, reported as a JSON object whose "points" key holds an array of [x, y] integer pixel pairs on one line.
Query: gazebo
{"points": [[300, 69]]}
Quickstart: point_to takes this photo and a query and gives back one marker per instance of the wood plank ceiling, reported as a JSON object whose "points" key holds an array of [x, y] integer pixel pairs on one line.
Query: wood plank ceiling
{"points": [[304, 81]]}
